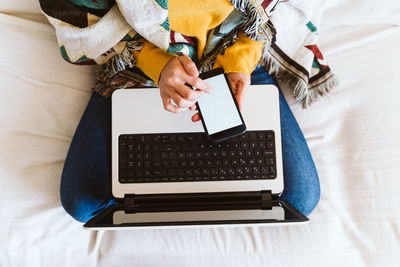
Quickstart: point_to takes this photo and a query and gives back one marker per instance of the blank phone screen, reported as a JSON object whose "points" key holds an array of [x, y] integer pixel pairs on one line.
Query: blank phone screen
{"points": [[218, 109]]}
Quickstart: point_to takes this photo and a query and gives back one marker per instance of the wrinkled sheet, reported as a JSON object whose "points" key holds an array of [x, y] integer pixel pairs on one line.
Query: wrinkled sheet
{"points": [[354, 136]]}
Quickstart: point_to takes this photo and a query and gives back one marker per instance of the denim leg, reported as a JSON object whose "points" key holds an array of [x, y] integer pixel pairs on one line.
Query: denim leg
{"points": [[86, 178], [300, 175]]}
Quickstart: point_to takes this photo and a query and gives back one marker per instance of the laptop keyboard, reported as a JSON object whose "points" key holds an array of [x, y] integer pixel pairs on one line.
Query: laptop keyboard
{"points": [[186, 157]]}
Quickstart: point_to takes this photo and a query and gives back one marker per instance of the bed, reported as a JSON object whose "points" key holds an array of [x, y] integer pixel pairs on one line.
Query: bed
{"points": [[353, 134]]}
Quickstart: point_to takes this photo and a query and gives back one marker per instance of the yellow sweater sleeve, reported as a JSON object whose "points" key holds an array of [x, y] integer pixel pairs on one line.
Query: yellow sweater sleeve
{"points": [[242, 56], [151, 59]]}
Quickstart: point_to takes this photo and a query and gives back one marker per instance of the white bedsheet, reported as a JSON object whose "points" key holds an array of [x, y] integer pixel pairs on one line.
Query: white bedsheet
{"points": [[354, 136]]}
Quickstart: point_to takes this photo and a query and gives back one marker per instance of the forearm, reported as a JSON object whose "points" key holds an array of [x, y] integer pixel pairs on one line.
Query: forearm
{"points": [[242, 56]]}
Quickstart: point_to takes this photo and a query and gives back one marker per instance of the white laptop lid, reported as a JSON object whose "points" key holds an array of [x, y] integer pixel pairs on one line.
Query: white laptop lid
{"points": [[136, 111]]}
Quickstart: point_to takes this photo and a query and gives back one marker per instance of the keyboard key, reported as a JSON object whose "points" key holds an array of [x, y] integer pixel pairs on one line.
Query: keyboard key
{"points": [[256, 170], [183, 164], [157, 164], [252, 136], [224, 154], [188, 172], [270, 144], [147, 163], [131, 164], [171, 173], [267, 153], [270, 161], [272, 170], [264, 170], [192, 163], [253, 145], [251, 162], [159, 172], [242, 161]]}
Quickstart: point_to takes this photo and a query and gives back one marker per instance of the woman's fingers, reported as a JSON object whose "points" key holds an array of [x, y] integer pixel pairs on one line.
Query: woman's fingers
{"points": [[188, 93], [240, 93], [168, 105], [191, 74], [239, 83], [197, 83], [180, 101], [196, 117], [189, 66]]}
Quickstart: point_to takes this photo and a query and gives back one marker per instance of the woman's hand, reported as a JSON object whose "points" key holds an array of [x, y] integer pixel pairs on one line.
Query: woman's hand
{"points": [[177, 72], [239, 83]]}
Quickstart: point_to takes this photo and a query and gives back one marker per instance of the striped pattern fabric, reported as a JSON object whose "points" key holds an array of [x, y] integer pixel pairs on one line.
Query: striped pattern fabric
{"points": [[105, 32]]}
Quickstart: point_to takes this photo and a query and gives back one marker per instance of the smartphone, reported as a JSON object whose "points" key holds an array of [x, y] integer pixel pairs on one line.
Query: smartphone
{"points": [[219, 111]]}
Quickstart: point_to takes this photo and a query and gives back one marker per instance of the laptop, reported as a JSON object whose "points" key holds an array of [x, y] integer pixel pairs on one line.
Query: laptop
{"points": [[166, 173]]}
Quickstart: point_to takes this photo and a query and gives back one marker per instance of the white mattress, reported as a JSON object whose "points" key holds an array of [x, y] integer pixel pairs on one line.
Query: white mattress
{"points": [[354, 136]]}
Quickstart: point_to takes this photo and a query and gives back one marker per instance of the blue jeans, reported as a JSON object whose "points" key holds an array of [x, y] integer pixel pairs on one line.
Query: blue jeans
{"points": [[86, 178]]}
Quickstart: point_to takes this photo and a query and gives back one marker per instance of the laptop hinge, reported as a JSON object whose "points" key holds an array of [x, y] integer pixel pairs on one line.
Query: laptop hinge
{"points": [[266, 199], [129, 203]]}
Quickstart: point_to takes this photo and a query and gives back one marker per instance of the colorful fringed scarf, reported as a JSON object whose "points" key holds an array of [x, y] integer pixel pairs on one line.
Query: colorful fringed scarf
{"points": [[105, 33]]}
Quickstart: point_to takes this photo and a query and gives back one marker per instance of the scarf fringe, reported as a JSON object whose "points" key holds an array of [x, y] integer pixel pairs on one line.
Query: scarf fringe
{"points": [[253, 23], [256, 22], [209, 59], [303, 94], [119, 62]]}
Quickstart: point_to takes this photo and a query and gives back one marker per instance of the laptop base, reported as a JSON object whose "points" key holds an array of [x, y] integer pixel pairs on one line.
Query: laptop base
{"points": [[197, 209]]}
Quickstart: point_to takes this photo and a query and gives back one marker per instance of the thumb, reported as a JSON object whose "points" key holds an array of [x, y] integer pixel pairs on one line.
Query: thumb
{"points": [[241, 89], [189, 66]]}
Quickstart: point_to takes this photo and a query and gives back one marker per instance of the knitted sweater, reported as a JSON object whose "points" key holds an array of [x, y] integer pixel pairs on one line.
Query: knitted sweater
{"points": [[196, 19], [121, 35]]}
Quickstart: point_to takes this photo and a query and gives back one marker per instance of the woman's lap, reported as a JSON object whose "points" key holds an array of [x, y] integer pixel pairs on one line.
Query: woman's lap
{"points": [[86, 178], [301, 180]]}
